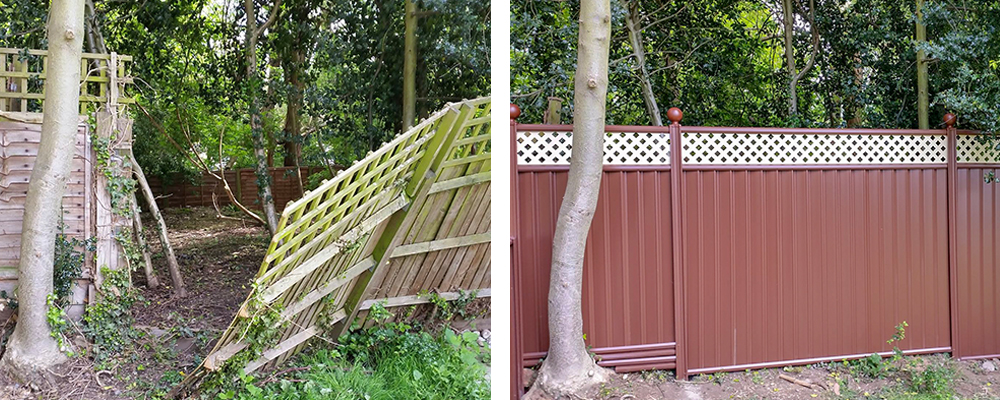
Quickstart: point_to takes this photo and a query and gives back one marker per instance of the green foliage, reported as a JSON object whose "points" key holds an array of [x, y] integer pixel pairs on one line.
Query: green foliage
{"points": [[935, 380], [722, 62], [56, 318], [108, 323], [390, 361], [447, 310], [68, 262], [259, 331]]}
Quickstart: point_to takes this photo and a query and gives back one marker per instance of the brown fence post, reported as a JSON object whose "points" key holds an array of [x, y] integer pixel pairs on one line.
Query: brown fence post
{"points": [[516, 356], [949, 120], [674, 114]]}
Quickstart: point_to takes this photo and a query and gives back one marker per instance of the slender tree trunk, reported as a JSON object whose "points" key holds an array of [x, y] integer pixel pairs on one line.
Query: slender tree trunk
{"points": [[256, 123], [293, 125], [140, 240], [635, 40], [568, 368], [161, 228], [789, 20], [31, 349], [922, 96], [95, 40], [410, 66]]}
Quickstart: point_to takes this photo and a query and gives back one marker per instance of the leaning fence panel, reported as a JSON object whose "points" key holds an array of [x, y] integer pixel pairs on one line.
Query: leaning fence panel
{"points": [[319, 267]]}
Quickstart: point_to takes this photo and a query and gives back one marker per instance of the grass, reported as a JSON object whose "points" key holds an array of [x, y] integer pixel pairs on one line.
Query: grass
{"points": [[386, 361]]}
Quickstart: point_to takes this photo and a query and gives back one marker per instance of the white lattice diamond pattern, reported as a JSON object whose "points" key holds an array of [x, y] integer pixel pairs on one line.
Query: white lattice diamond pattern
{"points": [[795, 149], [620, 148], [971, 149]]}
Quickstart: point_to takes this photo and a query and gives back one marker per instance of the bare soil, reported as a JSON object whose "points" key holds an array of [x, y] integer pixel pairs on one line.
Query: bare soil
{"points": [[970, 381], [218, 259]]}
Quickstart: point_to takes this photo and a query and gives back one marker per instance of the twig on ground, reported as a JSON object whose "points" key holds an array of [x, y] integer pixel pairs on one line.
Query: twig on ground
{"points": [[799, 382]]}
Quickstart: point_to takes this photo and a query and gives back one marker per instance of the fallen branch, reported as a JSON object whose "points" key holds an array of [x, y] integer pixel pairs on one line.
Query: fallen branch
{"points": [[198, 162], [799, 382]]}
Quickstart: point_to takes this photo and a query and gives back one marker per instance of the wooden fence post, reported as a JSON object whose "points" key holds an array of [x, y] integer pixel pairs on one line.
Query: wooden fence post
{"points": [[949, 120], [674, 114], [516, 352]]}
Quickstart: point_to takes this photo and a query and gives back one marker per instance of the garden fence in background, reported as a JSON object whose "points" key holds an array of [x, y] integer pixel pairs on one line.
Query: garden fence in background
{"points": [[737, 248], [177, 191]]}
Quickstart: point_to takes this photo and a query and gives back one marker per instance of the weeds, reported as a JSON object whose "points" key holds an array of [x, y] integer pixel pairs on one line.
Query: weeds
{"points": [[389, 360]]}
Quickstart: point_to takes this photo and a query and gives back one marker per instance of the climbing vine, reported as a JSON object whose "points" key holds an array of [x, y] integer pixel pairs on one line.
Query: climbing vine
{"points": [[68, 263], [108, 322]]}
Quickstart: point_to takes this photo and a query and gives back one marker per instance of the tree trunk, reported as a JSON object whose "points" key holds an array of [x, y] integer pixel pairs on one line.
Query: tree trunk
{"points": [[410, 66], [635, 40], [923, 118], [140, 240], [789, 20], [161, 228], [95, 40], [293, 125], [256, 123], [568, 368], [31, 350]]}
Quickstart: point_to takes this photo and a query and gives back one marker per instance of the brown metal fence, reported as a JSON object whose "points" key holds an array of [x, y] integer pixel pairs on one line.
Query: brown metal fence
{"points": [[793, 246], [178, 191]]}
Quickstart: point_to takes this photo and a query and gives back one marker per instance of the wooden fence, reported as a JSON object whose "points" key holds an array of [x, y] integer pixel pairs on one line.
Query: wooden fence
{"points": [[19, 148], [86, 205], [411, 216], [180, 192], [104, 78], [737, 248]]}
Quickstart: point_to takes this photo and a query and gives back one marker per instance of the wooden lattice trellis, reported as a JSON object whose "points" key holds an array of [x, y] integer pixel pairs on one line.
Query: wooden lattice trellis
{"points": [[333, 241], [103, 78]]}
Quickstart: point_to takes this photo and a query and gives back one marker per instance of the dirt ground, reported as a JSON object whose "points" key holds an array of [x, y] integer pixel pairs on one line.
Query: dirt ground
{"points": [[970, 381], [218, 259]]}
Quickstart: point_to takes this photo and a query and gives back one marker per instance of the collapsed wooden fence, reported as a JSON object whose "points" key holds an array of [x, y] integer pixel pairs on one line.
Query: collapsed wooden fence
{"points": [[728, 248], [409, 217]]}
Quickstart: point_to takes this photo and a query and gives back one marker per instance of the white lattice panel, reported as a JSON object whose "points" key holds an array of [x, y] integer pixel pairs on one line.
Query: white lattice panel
{"points": [[794, 149], [620, 148], [972, 149]]}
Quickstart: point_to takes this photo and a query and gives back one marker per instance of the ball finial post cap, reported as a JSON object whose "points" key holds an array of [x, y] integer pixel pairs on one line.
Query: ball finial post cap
{"points": [[675, 114], [949, 119], [515, 111]]}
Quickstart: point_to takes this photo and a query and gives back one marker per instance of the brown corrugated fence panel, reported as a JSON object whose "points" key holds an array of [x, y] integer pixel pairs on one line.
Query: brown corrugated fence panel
{"points": [[628, 280], [978, 259], [792, 265]]}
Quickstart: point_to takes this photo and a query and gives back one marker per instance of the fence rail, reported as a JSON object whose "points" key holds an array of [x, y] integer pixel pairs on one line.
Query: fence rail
{"points": [[763, 247], [103, 78]]}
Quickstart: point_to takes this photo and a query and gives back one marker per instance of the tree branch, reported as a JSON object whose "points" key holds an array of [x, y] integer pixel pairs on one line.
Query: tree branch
{"points": [[270, 19]]}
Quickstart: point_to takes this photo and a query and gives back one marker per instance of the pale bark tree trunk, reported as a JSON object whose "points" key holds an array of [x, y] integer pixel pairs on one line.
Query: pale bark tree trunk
{"points": [[161, 229], [31, 349], [795, 76], [140, 240], [635, 40], [256, 123], [789, 21], [568, 368], [410, 65]]}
